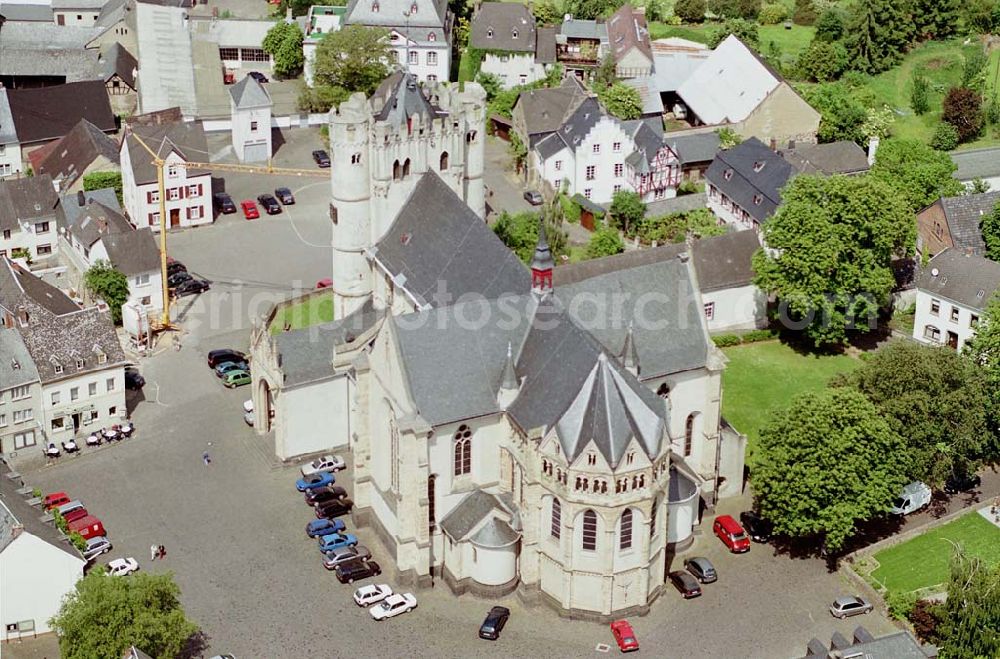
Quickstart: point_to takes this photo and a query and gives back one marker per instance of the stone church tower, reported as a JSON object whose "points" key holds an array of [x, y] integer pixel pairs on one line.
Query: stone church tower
{"points": [[380, 147]]}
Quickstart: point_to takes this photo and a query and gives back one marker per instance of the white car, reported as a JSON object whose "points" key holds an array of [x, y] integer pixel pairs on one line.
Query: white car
{"points": [[368, 595], [326, 463], [248, 405], [123, 566], [393, 605], [248, 418]]}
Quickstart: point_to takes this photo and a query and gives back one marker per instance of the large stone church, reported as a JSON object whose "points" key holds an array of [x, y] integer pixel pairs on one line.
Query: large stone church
{"points": [[551, 430]]}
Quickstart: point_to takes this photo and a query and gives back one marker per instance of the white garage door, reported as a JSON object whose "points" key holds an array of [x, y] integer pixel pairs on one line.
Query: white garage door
{"points": [[255, 152]]}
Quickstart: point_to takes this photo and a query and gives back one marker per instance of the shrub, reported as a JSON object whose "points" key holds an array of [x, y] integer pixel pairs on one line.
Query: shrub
{"points": [[963, 109], [754, 336], [726, 340], [772, 14], [77, 540], [804, 13], [687, 187], [605, 242], [900, 604], [37, 493], [920, 92], [924, 618], [690, 11], [830, 26], [945, 137], [60, 521]]}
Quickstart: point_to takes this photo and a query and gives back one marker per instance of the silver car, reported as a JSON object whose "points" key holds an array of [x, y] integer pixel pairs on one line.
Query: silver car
{"points": [[845, 607], [332, 559], [95, 547]]}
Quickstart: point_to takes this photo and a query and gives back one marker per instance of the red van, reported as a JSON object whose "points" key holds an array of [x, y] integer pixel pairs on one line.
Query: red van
{"points": [[88, 527], [731, 534], [55, 500]]}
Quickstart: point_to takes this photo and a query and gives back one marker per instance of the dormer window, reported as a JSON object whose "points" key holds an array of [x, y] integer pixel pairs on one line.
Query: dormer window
{"points": [[513, 33], [79, 363], [102, 358], [56, 366], [489, 33], [728, 175], [413, 8], [757, 199], [374, 7], [591, 459], [432, 37], [757, 166]]}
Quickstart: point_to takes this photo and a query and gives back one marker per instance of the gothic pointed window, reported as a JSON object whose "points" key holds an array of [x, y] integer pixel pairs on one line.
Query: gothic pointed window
{"points": [[652, 518], [625, 530], [443, 164], [406, 168], [463, 450], [397, 171], [374, 7], [688, 435], [556, 529], [589, 535]]}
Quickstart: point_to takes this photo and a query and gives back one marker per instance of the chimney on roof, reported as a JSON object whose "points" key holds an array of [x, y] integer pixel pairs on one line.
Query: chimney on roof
{"points": [[81, 199]]}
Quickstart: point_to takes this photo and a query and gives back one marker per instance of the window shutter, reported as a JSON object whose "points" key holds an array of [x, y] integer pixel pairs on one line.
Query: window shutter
{"points": [[180, 192], [199, 189], [188, 213], [149, 196]]}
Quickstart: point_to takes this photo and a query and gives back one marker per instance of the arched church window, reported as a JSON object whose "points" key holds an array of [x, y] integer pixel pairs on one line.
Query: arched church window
{"points": [[463, 450], [443, 164], [625, 530], [356, 159], [652, 518], [406, 168], [688, 435], [556, 528], [470, 137], [589, 530], [397, 171]]}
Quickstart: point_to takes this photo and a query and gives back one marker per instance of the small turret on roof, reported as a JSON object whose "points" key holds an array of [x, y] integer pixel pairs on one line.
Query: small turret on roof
{"points": [[542, 263]]}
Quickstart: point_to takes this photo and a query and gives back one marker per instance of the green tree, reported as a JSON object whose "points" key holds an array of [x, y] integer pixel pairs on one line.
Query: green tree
{"points": [[728, 138], [842, 113], [969, 626], [804, 12], [974, 67], [606, 74], [830, 26], [702, 223], [826, 463], [103, 616], [936, 19], [916, 171], [823, 61], [878, 33], [627, 210], [690, 11], [519, 231], [284, 42], [984, 350], [878, 122], [590, 9], [321, 97], [354, 58], [962, 108], [979, 186], [945, 137], [772, 14], [745, 31], [934, 399], [656, 10], [605, 241], [546, 13], [101, 180], [920, 88], [621, 101], [832, 242], [107, 283], [978, 15]]}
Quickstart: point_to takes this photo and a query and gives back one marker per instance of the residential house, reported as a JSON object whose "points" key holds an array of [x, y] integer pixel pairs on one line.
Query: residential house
{"points": [[28, 219], [419, 32], [45, 114], [84, 149], [250, 109], [188, 190], [538, 113], [96, 231], [39, 568], [581, 45], [505, 33], [44, 54], [116, 24], [322, 19], [674, 60], [119, 68], [842, 157], [10, 148], [25, 12], [20, 396], [75, 350], [734, 87], [696, 151], [978, 165], [744, 184], [953, 290], [953, 222], [725, 273], [899, 645], [77, 12], [628, 39]]}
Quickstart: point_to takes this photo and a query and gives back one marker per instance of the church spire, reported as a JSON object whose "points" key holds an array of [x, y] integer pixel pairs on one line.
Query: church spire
{"points": [[541, 263], [508, 381], [629, 355]]}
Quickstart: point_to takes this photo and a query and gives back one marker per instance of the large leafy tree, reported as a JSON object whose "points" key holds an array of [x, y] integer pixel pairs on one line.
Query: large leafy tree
{"points": [[831, 245], [690, 11], [827, 462], [984, 351], [354, 58], [830, 26], [590, 9], [284, 42], [109, 284], [627, 209], [823, 60], [746, 31], [621, 101], [916, 171], [878, 33], [842, 113], [936, 19], [519, 231], [104, 616], [934, 399], [969, 619]]}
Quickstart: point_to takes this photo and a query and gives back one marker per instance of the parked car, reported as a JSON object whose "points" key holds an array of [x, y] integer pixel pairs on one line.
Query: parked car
{"points": [[320, 495], [96, 546], [285, 196], [321, 479], [325, 282], [88, 527], [393, 605], [258, 76], [685, 583], [962, 483], [915, 496], [174, 267], [178, 278], [250, 211], [121, 567], [534, 197], [321, 158], [321, 527], [731, 534], [335, 508], [73, 515], [371, 594], [270, 204], [226, 367], [494, 623], [55, 500], [216, 357], [356, 570], [624, 636], [192, 287], [845, 607], [326, 463], [249, 419], [336, 541], [70, 507], [758, 528], [334, 558], [133, 379], [702, 569], [235, 379], [223, 203]]}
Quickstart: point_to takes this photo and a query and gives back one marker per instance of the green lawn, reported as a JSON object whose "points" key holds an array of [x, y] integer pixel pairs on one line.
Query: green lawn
{"points": [[923, 561], [317, 309], [791, 42], [762, 378]]}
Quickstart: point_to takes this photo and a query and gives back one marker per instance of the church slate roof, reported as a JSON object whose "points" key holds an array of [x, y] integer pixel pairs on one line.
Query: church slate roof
{"points": [[452, 250], [495, 533], [725, 261], [248, 93], [471, 510], [400, 97]]}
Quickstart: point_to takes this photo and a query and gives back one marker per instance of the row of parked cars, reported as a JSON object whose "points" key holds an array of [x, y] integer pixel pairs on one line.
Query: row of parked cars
{"points": [[224, 203], [91, 529], [180, 282], [230, 366]]}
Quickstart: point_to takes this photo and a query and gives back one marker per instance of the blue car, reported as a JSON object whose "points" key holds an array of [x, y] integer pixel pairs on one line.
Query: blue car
{"points": [[313, 481], [226, 367], [336, 541], [319, 527]]}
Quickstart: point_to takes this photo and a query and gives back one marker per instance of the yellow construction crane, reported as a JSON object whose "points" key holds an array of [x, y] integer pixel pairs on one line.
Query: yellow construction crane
{"points": [[159, 162]]}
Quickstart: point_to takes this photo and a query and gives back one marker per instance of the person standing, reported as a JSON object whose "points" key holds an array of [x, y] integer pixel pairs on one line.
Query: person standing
{"points": [[153, 551], [162, 552], [207, 459]]}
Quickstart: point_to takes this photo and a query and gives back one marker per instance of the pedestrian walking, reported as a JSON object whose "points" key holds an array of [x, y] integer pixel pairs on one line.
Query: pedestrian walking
{"points": [[206, 458], [153, 551], [163, 552]]}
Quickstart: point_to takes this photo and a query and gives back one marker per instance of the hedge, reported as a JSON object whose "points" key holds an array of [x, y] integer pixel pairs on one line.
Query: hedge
{"points": [[753, 336]]}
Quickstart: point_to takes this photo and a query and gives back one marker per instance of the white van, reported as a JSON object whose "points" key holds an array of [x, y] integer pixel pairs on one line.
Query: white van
{"points": [[914, 497]]}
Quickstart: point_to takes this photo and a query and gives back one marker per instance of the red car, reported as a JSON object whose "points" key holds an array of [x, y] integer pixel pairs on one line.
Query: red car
{"points": [[324, 283], [55, 500], [732, 534], [624, 636], [249, 210]]}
